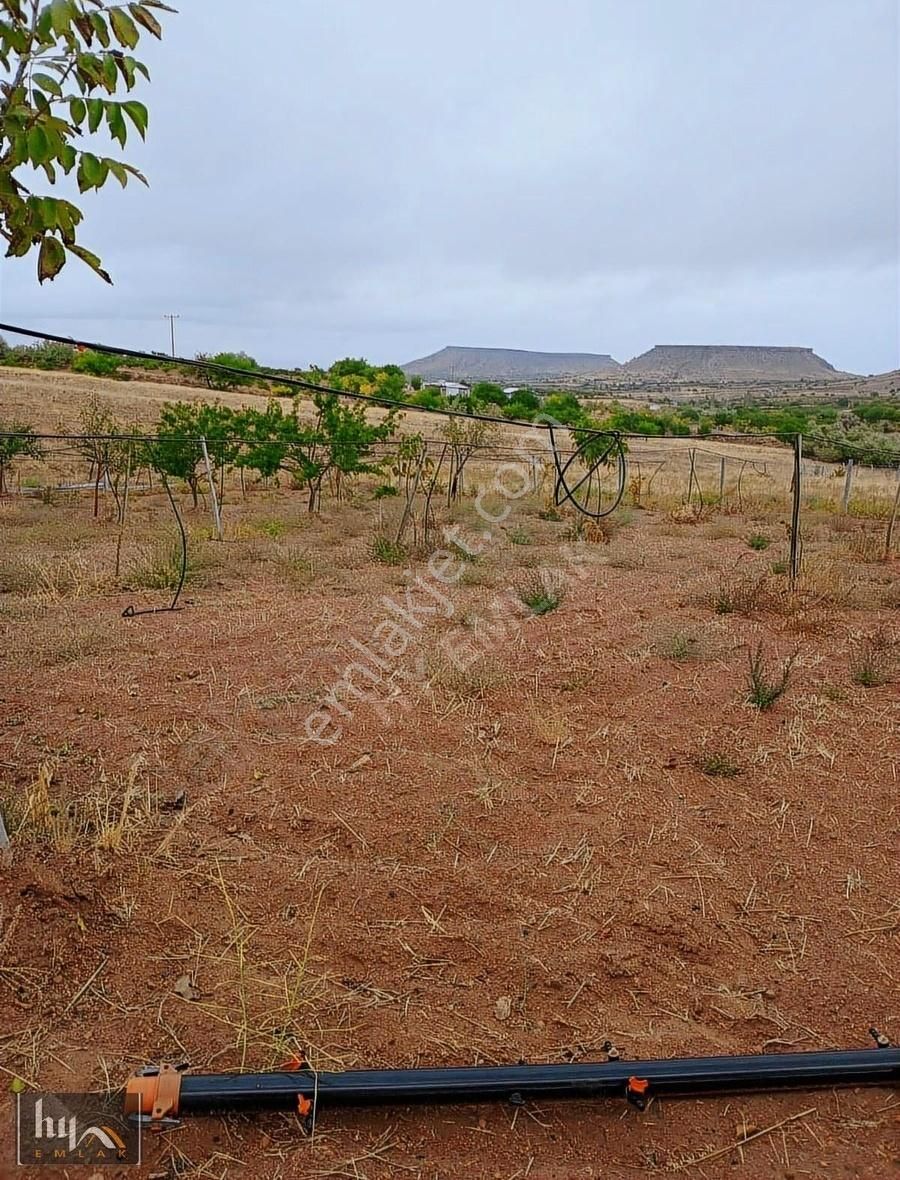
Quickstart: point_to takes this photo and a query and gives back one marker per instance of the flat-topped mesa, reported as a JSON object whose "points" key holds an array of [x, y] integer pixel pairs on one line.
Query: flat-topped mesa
{"points": [[512, 365], [729, 362]]}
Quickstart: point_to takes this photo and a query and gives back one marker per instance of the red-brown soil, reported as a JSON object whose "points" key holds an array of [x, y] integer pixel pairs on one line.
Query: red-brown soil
{"points": [[589, 835]]}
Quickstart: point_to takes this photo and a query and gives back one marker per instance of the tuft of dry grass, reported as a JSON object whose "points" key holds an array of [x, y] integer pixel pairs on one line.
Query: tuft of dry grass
{"points": [[872, 659], [542, 591], [106, 817]]}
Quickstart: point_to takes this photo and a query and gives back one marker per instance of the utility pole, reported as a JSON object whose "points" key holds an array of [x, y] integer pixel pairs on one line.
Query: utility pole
{"points": [[172, 319]]}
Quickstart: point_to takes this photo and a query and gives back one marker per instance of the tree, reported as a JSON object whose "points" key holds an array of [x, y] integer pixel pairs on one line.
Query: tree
{"points": [[97, 441], [564, 408], [177, 450], [338, 441], [341, 441], [465, 438], [66, 60], [16, 441], [231, 360], [96, 364]]}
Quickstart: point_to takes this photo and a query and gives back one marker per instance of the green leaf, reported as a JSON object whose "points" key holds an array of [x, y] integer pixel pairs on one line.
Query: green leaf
{"points": [[124, 28], [47, 83], [68, 157], [38, 151], [92, 261], [146, 19], [95, 107], [110, 73], [137, 113], [118, 129], [61, 14], [119, 171], [49, 207], [77, 110], [100, 29], [51, 259], [132, 171], [91, 173], [126, 66]]}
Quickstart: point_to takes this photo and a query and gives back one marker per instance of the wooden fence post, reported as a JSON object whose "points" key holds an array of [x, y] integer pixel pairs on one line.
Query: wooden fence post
{"points": [[722, 463], [848, 482], [795, 511], [889, 536]]}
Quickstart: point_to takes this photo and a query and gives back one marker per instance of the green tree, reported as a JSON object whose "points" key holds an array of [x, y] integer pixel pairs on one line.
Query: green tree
{"points": [[563, 407], [230, 360], [177, 450], [16, 441], [486, 393], [340, 442], [66, 62]]}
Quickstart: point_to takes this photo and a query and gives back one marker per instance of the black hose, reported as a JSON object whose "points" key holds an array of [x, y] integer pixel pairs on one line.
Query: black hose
{"points": [[129, 612]]}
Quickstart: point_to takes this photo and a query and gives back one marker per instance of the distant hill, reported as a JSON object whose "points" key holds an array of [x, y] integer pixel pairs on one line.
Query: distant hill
{"points": [[724, 362], [508, 365]]}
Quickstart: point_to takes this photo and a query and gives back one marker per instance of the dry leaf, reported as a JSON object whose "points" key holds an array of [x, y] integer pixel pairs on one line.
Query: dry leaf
{"points": [[503, 1008]]}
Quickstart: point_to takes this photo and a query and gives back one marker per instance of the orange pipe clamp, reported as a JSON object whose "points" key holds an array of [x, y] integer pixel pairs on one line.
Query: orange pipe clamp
{"points": [[154, 1095]]}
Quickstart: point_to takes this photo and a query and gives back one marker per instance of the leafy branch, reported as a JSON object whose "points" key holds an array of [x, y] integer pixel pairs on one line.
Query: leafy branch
{"points": [[66, 62]]}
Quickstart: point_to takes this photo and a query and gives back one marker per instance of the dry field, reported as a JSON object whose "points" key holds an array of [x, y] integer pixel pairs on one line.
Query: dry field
{"points": [[588, 833]]}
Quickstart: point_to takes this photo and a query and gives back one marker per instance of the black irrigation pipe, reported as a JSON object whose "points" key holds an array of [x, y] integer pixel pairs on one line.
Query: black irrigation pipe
{"points": [[860, 449], [271, 374], [129, 612], [158, 1096]]}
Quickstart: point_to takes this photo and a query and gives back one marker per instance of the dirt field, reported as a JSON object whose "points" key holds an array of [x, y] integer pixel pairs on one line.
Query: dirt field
{"points": [[587, 833]]}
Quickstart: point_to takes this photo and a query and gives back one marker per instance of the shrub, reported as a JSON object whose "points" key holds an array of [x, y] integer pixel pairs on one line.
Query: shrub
{"points": [[386, 550], [682, 646], [740, 595], [758, 541], [96, 364]]}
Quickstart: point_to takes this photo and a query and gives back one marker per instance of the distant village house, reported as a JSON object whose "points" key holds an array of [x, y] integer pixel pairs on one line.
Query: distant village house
{"points": [[449, 389]]}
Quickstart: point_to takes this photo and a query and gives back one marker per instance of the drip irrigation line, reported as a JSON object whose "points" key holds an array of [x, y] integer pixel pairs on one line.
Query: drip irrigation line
{"points": [[589, 435], [271, 374], [847, 446], [129, 612]]}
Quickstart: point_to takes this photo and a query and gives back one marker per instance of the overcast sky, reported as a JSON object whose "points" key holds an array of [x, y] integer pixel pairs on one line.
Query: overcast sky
{"points": [[334, 177]]}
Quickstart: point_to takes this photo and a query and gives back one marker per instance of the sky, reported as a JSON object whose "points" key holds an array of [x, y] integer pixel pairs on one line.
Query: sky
{"points": [[346, 177]]}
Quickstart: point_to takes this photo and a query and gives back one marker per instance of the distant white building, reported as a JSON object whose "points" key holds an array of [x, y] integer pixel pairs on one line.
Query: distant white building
{"points": [[449, 389]]}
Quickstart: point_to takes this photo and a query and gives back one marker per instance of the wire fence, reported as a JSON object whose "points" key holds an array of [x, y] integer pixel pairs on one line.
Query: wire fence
{"points": [[688, 477]]}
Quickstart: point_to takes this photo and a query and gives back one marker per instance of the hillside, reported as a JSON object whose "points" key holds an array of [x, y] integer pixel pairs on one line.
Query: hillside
{"points": [[719, 362], [508, 364]]}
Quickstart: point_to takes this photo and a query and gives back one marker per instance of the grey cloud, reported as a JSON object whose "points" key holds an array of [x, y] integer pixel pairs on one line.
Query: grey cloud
{"points": [[338, 176]]}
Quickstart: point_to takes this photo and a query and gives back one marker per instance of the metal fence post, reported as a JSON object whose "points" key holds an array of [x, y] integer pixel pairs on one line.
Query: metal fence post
{"points": [[217, 516]]}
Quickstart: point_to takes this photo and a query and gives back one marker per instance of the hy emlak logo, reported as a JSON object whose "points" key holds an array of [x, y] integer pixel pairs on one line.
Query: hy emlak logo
{"points": [[71, 1130], [66, 1129]]}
